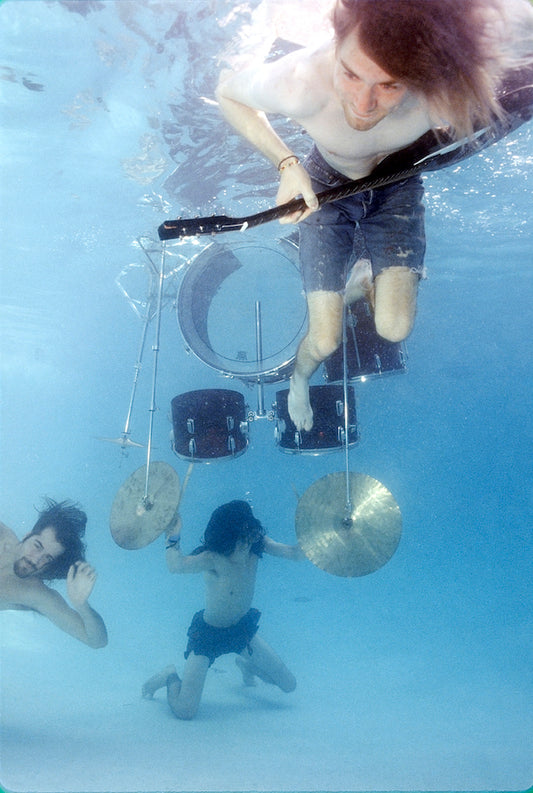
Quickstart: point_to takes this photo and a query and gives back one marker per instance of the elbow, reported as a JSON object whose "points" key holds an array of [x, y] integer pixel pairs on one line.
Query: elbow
{"points": [[223, 78], [97, 642]]}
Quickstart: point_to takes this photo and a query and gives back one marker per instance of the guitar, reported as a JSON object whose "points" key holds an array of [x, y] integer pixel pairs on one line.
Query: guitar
{"points": [[434, 150]]}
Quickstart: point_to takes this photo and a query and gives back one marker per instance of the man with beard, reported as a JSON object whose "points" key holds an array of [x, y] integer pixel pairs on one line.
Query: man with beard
{"points": [[53, 549]]}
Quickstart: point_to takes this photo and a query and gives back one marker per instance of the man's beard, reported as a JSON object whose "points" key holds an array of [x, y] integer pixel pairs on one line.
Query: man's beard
{"points": [[24, 569], [365, 123]]}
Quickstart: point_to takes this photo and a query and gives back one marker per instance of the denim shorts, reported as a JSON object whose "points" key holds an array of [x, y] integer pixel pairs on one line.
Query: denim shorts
{"points": [[385, 226]]}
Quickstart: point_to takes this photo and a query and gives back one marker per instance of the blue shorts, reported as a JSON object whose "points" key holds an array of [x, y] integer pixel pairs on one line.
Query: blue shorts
{"points": [[384, 225], [205, 639]]}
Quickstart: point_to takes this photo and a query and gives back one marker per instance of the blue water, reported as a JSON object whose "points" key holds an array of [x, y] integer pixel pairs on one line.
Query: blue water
{"points": [[416, 677]]}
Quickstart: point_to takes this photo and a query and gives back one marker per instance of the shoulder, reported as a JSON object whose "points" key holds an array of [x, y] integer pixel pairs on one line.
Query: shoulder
{"points": [[8, 540], [6, 533], [296, 85], [37, 596]]}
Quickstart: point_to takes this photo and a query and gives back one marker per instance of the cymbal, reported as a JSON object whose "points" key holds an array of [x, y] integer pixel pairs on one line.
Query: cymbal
{"points": [[348, 542], [123, 441], [135, 521]]}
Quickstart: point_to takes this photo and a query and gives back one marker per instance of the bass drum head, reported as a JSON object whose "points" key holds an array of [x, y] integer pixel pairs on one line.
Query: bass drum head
{"points": [[231, 290]]}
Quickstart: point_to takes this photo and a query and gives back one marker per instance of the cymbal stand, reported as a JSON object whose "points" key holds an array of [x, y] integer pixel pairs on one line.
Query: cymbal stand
{"points": [[137, 368], [259, 354], [147, 502], [347, 520]]}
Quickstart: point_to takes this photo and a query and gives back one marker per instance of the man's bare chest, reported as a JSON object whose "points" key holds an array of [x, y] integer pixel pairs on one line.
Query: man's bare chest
{"points": [[355, 153]]}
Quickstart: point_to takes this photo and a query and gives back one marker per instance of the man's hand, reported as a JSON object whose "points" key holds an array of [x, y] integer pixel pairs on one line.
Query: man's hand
{"points": [[80, 582], [174, 527], [295, 182]]}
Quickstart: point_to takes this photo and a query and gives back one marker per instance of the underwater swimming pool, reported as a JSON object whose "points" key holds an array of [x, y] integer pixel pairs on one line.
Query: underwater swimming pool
{"points": [[416, 677]]}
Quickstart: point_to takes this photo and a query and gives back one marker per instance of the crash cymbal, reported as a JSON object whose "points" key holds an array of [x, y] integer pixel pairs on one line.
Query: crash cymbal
{"points": [[351, 542], [136, 521]]}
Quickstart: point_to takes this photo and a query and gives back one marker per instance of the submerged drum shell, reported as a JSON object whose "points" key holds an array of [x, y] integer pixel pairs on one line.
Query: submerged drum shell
{"points": [[367, 353], [208, 424], [326, 434]]}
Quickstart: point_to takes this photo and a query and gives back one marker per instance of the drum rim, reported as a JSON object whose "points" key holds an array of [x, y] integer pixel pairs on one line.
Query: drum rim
{"points": [[197, 345]]}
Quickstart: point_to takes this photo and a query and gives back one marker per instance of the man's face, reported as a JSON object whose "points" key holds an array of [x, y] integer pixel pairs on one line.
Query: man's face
{"points": [[366, 92], [36, 552]]}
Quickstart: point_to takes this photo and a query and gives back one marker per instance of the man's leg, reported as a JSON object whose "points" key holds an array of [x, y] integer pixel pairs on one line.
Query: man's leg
{"points": [[395, 302], [265, 664], [323, 336], [184, 696]]}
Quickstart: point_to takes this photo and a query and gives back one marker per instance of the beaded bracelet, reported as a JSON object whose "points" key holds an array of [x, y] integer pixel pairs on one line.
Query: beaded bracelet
{"points": [[293, 157]]}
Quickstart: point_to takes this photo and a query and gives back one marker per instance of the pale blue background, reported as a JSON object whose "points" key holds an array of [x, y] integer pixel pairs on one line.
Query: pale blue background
{"points": [[417, 677]]}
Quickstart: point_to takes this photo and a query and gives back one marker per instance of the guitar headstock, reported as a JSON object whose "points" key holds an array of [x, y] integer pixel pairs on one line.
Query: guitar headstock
{"points": [[192, 227]]}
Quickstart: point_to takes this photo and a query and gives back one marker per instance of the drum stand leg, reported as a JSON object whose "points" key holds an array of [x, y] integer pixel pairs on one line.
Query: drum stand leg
{"points": [[137, 368], [347, 520], [259, 354], [147, 501]]}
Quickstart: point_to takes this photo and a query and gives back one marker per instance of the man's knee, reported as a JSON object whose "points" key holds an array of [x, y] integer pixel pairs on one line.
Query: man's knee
{"points": [[182, 708], [321, 347], [393, 328], [395, 303], [287, 682]]}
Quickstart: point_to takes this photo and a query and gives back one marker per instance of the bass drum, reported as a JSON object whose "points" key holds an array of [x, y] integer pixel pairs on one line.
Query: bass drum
{"points": [[241, 308]]}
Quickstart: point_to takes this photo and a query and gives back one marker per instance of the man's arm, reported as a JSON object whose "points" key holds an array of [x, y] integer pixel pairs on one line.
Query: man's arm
{"points": [[292, 552], [82, 621], [177, 562], [281, 87]]}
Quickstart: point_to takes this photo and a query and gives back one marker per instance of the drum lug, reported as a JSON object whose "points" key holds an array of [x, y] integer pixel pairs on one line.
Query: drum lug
{"points": [[230, 423], [190, 426], [377, 359], [297, 439], [340, 435], [339, 407], [231, 444], [192, 448]]}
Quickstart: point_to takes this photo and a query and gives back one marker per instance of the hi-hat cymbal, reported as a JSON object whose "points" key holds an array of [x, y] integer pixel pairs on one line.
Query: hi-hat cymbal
{"points": [[351, 542], [136, 521]]}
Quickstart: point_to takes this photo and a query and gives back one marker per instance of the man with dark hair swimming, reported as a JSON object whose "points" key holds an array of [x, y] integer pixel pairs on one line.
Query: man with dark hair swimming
{"points": [[233, 543], [392, 70], [53, 549]]}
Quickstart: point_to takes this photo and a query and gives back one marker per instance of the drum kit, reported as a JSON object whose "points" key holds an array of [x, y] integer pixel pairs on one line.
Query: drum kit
{"points": [[347, 524]]}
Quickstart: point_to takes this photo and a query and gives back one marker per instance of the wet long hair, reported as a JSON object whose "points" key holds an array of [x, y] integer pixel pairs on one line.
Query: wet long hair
{"points": [[227, 525], [440, 49], [68, 522]]}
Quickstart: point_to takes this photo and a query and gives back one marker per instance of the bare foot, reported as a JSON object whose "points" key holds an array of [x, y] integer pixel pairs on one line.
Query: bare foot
{"points": [[157, 681], [250, 671], [298, 404], [360, 283], [248, 677]]}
